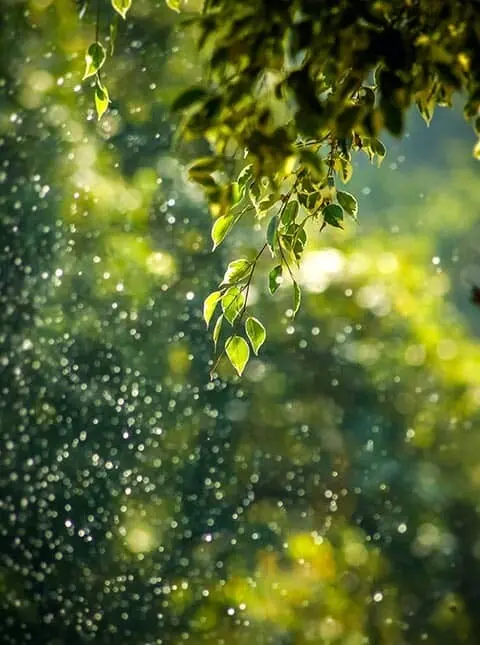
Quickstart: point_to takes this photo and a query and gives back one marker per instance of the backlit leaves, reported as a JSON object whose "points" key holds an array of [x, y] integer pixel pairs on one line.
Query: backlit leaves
{"points": [[294, 105], [210, 305], [238, 353], [256, 333], [101, 99], [122, 7], [348, 202], [94, 59], [233, 304], [221, 228]]}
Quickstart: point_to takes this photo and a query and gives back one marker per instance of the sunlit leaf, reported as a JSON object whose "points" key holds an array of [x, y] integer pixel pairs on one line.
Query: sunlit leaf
{"points": [[274, 278], [221, 228], [348, 202], [216, 330], [122, 6], [237, 270], [101, 99], [174, 5], [94, 59], [256, 333], [297, 297], [245, 176], [238, 352], [210, 305], [233, 304]]}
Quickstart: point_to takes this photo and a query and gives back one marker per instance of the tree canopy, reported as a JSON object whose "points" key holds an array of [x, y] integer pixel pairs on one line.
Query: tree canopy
{"points": [[291, 90]]}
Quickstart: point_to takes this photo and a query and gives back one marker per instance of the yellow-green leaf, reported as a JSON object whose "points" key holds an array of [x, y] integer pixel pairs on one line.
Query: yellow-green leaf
{"points": [[94, 59], [238, 353], [101, 99], [232, 304], [174, 5], [216, 330], [237, 270], [210, 305], [122, 6], [256, 333], [221, 228]]}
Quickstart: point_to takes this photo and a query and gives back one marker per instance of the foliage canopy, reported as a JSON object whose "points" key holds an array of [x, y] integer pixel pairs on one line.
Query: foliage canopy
{"points": [[291, 90]]}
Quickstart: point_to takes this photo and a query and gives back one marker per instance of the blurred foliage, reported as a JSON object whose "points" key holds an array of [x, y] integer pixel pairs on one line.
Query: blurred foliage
{"points": [[330, 496]]}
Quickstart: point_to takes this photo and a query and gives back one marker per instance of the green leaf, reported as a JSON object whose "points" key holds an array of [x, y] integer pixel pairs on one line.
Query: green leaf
{"points": [[94, 59], [290, 213], [333, 215], [205, 164], [237, 270], [265, 204], [344, 167], [221, 228], [314, 163], [236, 193], [204, 179], [348, 202], [245, 176], [188, 98], [122, 7], [272, 233], [216, 330], [232, 304], [101, 99], [173, 4], [210, 305], [379, 149], [297, 297], [273, 278], [238, 352], [256, 333]]}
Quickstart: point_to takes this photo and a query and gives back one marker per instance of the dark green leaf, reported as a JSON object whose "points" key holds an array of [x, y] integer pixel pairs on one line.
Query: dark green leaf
{"points": [[272, 233], [313, 163], [188, 98], [333, 215]]}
